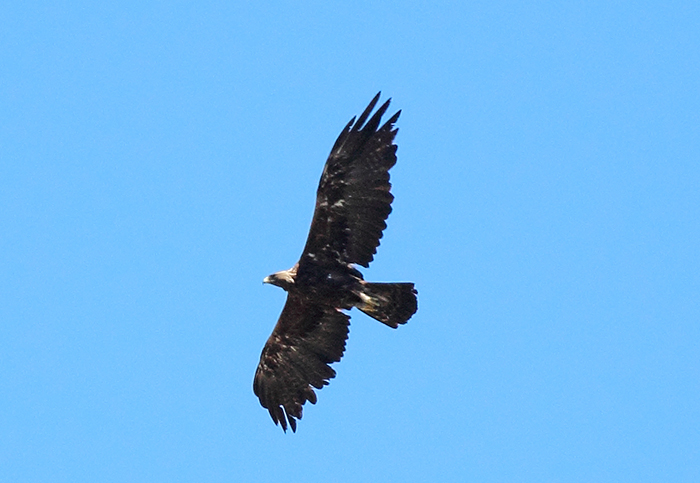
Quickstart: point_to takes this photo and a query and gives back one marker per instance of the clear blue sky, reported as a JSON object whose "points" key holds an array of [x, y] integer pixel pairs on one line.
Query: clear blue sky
{"points": [[158, 159]]}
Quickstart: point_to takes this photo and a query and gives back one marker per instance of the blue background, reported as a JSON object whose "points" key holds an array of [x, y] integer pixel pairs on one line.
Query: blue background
{"points": [[158, 159]]}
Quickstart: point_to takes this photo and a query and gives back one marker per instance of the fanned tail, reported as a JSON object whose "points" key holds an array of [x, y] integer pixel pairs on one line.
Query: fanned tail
{"points": [[390, 303]]}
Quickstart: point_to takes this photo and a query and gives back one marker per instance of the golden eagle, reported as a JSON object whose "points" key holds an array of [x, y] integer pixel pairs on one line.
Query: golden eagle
{"points": [[353, 202]]}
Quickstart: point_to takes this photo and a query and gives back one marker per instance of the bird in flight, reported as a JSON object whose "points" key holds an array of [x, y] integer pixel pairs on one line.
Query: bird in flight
{"points": [[353, 201]]}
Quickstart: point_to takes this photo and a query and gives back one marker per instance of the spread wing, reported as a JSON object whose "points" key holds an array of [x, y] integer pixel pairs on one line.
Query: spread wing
{"points": [[307, 338], [353, 199]]}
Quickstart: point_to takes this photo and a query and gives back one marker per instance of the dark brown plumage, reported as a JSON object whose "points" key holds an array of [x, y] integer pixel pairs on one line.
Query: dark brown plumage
{"points": [[353, 202]]}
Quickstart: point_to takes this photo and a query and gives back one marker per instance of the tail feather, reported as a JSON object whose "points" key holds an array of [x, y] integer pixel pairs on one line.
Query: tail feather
{"points": [[390, 303]]}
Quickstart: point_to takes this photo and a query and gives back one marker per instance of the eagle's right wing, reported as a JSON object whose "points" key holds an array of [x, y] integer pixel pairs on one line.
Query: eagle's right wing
{"points": [[307, 338]]}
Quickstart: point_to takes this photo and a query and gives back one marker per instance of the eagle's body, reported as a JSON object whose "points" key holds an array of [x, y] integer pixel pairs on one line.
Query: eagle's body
{"points": [[352, 204]]}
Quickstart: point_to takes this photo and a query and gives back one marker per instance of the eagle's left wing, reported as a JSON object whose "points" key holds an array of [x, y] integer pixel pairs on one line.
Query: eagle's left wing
{"points": [[353, 199], [307, 338]]}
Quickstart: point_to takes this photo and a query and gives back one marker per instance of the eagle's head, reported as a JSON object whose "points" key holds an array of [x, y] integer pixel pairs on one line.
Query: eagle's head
{"points": [[284, 279]]}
